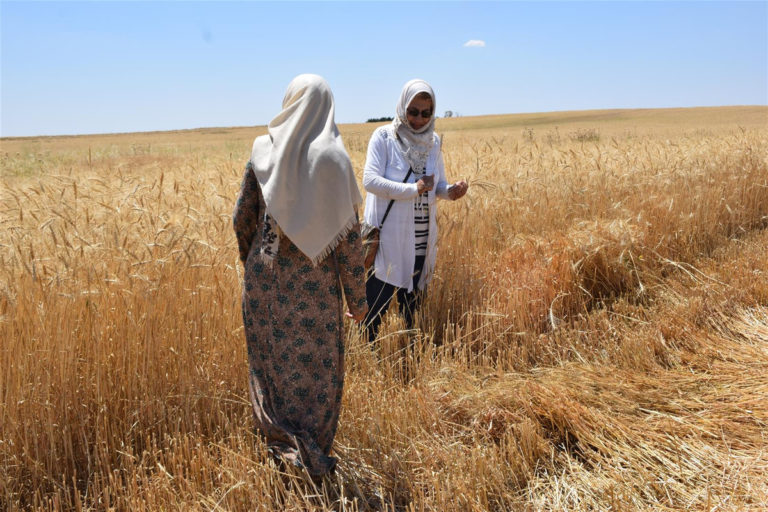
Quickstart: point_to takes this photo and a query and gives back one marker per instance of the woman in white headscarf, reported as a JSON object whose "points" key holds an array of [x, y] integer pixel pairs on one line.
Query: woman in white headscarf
{"points": [[404, 167], [299, 241]]}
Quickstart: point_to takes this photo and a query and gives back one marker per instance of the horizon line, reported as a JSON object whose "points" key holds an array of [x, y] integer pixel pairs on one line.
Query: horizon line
{"points": [[202, 128]]}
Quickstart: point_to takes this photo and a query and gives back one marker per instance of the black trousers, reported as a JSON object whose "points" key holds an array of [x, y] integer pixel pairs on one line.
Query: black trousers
{"points": [[379, 294]]}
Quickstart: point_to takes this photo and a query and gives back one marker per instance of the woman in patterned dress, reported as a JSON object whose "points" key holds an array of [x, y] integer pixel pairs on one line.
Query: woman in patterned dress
{"points": [[299, 240], [405, 165]]}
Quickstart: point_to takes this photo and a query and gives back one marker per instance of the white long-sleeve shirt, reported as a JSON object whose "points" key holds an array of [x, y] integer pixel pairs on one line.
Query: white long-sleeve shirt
{"points": [[385, 168]]}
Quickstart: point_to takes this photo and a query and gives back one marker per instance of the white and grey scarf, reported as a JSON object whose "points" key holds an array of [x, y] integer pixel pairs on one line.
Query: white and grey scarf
{"points": [[305, 173], [415, 145]]}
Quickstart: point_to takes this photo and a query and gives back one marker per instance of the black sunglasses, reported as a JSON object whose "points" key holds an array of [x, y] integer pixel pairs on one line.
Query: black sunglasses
{"points": [[414, 112]]}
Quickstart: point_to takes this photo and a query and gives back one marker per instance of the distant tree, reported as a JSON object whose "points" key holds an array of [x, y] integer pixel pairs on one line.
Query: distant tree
{"points": [[378, 119], [448, 113]]}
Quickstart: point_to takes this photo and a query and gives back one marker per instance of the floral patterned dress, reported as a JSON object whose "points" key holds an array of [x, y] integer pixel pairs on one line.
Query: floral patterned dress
{"points": [[293, 316]]}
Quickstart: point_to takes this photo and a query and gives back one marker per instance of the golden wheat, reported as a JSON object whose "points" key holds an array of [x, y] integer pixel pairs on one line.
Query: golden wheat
{"points": [[594, 338]]}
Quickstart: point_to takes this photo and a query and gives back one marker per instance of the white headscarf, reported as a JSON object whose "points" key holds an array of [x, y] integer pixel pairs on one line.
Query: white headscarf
{"points": [[304, 171], [415, 144]]}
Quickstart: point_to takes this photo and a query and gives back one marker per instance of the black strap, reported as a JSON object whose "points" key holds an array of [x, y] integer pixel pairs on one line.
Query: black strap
{"points": [[389, 206]]}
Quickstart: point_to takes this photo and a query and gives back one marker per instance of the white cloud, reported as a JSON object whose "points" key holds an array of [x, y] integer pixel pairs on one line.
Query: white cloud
{"points": [[475, 43]]}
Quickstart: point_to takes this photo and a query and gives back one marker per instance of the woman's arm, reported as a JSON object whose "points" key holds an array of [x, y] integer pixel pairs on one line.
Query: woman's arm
{"points": [[374, 181], [441, 185], [349, 254], [246, 217]]}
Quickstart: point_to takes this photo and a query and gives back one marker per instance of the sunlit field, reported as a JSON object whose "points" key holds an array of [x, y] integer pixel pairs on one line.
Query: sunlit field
{"points": [[595, 337]]}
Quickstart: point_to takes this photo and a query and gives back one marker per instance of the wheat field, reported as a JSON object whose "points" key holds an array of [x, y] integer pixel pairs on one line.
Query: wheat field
{"points": [[595, 337]]}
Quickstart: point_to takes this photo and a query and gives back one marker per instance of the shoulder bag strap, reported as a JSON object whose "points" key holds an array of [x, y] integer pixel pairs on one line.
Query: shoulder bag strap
{"points": [[391, 201]]}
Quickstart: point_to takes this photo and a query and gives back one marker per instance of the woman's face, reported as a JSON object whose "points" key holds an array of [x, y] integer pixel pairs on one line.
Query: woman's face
{"points": [[415, 111]]}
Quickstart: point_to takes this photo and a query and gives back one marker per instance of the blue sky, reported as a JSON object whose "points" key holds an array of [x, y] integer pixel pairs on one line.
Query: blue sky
{"points": [[98, 67]]}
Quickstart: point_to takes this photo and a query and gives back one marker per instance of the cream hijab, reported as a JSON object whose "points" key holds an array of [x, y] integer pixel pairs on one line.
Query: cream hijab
{"points": [[304, 171], [415, 145]]}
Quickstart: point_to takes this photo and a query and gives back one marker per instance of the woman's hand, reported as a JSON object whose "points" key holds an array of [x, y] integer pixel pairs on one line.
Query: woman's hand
{"points": [[457, 190], [425, 184], [358, 317]]}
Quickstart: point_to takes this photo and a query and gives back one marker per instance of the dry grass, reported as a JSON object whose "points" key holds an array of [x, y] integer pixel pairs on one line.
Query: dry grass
{"points": [[596, 336]]}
